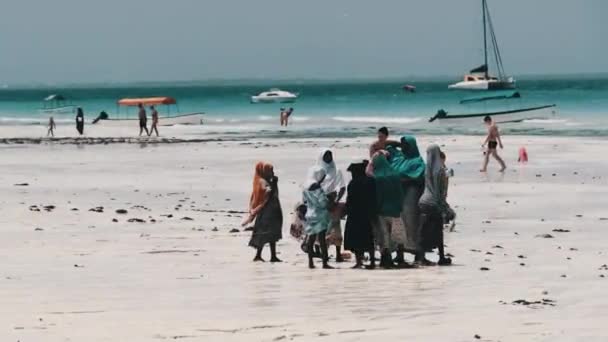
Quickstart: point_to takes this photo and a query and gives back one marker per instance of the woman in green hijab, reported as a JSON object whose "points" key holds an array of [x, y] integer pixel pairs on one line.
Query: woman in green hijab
{"points": [[389, 197], [408, 163]]}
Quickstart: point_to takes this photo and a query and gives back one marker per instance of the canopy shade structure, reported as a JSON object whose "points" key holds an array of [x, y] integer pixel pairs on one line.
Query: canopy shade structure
{"points": [[147, 101], [55, 97]]}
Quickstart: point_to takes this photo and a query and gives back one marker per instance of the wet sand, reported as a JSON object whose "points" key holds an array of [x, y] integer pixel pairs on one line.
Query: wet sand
{"points": [[71, 273]]}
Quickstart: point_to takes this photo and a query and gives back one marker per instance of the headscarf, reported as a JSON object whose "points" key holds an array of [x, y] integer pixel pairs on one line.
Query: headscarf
{"points": [[357, 170], [407, 161], [258, 193], [389, 194], [315, 175], [434, 190], [334, 181]]}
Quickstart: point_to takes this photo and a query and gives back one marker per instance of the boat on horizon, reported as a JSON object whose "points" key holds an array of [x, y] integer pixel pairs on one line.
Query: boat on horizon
{"points": [[166, 118], [480, 77], [274, 95], [57, 104]]}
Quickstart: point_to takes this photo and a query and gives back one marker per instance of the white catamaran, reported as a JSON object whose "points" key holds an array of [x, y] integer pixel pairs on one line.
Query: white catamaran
{"points": [[480, 78]]}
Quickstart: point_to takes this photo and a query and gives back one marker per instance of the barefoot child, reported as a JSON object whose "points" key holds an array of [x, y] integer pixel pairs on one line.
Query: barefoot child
{"points": [[317, 214], [493, 141], [449, 217]]}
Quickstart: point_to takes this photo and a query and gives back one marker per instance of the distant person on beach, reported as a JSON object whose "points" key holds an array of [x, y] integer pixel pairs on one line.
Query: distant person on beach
{"points": [[51, 127], [381, 142], [433, 205], [334, 187], [80, 121], [282, 117], [317, 214], [154, 127], [265, 207], [493, 141], [360, 210], [143, 120]]}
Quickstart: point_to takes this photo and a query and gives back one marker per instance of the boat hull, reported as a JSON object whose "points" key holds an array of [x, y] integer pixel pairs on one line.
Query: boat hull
{"points": [[185, 119], [507, 116], [256, 99], [483, 85]]}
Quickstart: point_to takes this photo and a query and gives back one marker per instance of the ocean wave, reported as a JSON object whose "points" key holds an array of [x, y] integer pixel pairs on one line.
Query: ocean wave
{"points": [[546, 121], [265, 117], [376, 119]]}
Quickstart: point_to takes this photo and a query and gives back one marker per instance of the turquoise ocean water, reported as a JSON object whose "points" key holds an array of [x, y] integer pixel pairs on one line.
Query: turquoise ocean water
{"points": [[336, 108]]}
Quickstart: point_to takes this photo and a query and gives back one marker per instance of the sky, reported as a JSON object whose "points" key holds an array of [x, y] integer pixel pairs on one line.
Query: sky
{"points": [[84, 41]]}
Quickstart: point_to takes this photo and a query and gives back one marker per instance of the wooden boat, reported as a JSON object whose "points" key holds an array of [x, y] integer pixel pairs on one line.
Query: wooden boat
{"points": [[166, 117], [503, 116]]}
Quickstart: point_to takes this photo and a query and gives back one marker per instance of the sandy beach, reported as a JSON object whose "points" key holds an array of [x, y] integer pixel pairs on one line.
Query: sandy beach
{"points": [[529, 248]]}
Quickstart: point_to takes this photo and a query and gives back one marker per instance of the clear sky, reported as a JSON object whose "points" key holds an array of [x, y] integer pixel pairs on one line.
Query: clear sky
{"points": [[154, 40]]}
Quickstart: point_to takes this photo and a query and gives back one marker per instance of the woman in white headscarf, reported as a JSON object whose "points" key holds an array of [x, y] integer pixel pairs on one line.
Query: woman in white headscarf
{"points": [[335, 188], [433, 206], [317, 213]]}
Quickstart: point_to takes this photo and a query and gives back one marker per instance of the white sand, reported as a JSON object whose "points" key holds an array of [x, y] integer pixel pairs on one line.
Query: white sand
{"points": [[200, 285]]}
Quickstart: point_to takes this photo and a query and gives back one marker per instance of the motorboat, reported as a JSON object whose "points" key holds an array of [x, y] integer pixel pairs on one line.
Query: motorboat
{"points": [[57, 104], [480, 77], [166, 116], [274, 95]]}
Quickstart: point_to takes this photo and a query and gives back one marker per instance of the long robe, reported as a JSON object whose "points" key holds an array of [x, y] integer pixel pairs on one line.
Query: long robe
{"points": [[360, 208], [268, 227]]}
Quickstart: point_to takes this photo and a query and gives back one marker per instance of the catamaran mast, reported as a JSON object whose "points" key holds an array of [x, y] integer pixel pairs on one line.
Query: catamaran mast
{"points": [[485, 40]]}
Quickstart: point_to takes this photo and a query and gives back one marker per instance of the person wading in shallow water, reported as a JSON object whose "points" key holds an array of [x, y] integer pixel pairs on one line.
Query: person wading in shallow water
{"points": [[493, 141], [266, 208]]}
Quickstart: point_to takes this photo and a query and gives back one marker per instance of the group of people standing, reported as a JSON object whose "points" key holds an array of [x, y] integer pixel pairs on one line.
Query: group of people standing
{"points": [[395, 204]]}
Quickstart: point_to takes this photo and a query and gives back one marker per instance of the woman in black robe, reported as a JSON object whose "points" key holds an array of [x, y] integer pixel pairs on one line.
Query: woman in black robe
{"points": [[80, 121], [361, 209]]}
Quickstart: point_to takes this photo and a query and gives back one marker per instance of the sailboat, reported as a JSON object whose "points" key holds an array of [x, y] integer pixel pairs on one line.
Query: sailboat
{"points": [[480, 77]]}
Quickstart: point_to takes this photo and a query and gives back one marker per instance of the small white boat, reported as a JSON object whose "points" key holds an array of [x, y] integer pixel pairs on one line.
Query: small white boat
{"points": [[480, 77], [164, 119], [57, 104], [274, 95]]}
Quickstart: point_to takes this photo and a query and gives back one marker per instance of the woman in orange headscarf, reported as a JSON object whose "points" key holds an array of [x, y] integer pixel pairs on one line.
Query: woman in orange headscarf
{"points": [[265, 208]]}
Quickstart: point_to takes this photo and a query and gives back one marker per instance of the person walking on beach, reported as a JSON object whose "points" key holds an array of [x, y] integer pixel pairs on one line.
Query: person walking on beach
{"points": [[51, 127], [266, 208], [80, 121], [493, 141], [360, 210], [334, 187], [317, 214], [433, 205], [143, 120], [154, 127]]}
